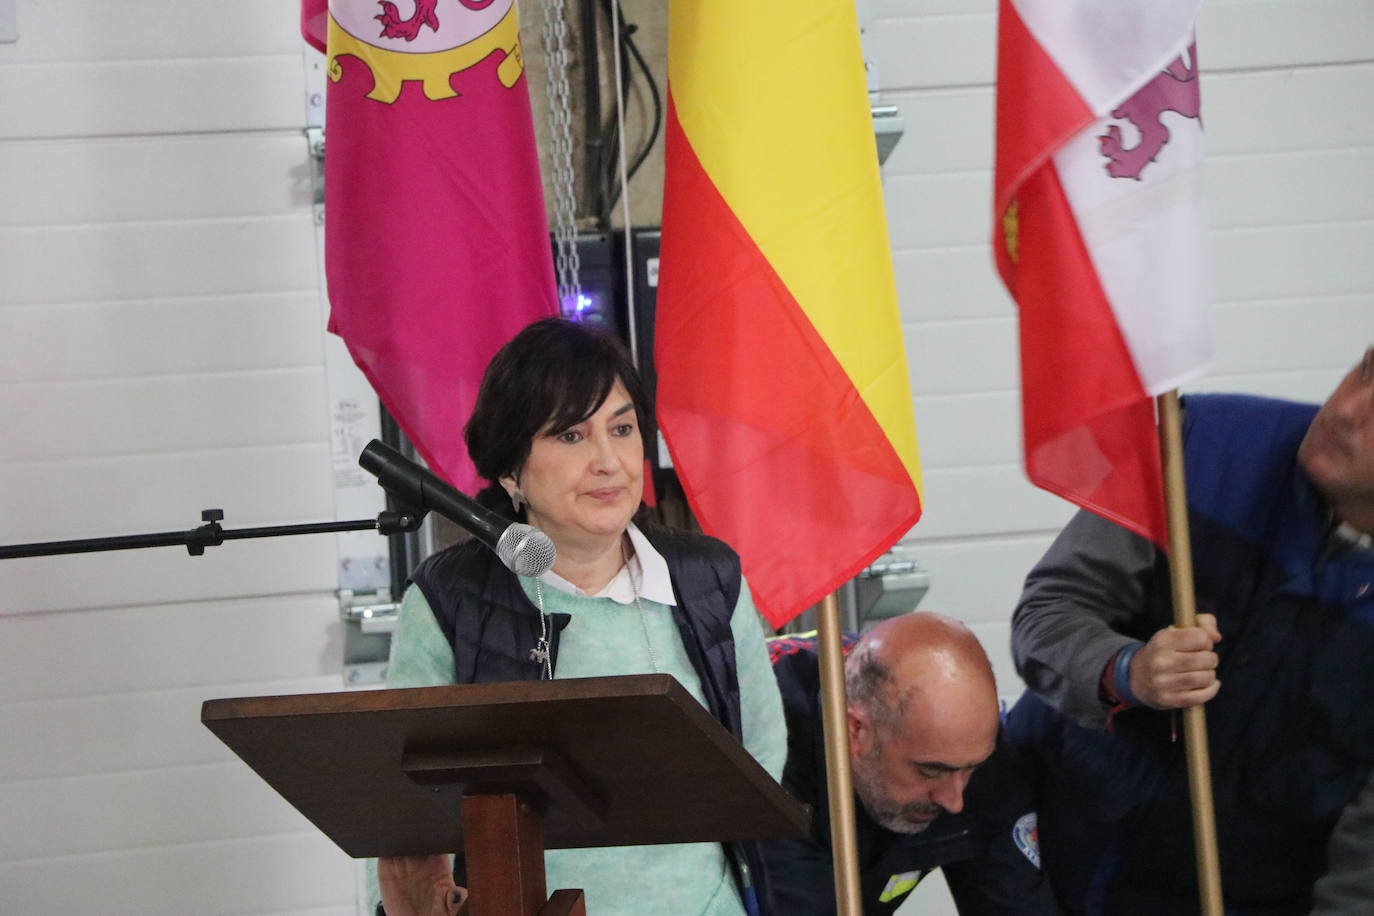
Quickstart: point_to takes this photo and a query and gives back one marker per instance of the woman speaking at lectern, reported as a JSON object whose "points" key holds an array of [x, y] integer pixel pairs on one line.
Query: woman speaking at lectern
{"points": [[557, 432]]}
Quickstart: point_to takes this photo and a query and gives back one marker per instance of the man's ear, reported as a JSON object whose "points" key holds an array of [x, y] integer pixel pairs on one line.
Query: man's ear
{"points": [[509, 484], [860, 732]]}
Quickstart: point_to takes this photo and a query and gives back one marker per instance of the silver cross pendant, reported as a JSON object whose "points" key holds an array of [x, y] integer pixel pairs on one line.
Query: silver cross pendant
{"points": [[540, 653]]}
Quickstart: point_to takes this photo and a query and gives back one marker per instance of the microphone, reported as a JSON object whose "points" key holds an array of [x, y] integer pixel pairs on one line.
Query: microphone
{"points": [[524, 549]]}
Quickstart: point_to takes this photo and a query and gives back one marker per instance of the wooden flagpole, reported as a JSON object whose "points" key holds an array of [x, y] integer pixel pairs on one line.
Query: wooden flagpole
{"points": [[840, 786], [1185, 615]]}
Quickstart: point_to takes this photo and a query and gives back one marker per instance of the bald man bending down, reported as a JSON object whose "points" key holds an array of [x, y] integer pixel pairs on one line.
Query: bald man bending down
{"points": [[936, 787]]}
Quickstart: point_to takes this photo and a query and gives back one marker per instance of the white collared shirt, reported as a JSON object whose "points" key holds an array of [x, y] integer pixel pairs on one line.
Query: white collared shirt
{"points": [[647, 568]]}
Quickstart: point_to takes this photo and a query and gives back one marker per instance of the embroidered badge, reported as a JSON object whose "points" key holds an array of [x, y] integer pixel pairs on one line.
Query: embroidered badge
{"points": [[1026, 836], [899, 885]]}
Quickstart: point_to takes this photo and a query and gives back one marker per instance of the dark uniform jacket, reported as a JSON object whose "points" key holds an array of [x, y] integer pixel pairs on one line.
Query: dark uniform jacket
{"points": [[988, 851]]}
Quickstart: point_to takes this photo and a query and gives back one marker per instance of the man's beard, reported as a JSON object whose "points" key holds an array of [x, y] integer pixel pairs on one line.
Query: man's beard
{"points": [[910, 818]]}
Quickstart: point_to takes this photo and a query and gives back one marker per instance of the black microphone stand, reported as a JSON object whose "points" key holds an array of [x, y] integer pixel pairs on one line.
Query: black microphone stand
{"points": [[211, 534]]}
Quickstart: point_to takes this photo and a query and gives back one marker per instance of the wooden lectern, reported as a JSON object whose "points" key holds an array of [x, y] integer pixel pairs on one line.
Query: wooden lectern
{"points": [[503, 771]]}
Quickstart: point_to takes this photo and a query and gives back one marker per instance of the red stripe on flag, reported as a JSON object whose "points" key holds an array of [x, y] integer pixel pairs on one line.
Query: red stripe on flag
{"points": [[1089, 425], [1090, 431], [779, 455], [650, 495], [1037, 110]]}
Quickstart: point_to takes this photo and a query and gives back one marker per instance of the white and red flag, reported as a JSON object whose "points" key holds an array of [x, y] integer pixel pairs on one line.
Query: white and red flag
{"points": [[1099, 235]]}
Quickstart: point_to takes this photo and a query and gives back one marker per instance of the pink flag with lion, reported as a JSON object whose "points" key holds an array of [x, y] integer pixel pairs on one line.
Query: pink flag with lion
{"points": [[436, 244]]}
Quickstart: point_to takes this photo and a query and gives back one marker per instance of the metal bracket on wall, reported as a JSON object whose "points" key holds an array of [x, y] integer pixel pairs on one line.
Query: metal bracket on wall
{"points": [[314, 138], [894, 584], [888, 128], [887, 119], [369, 618], [313, 64], [891, 586]]}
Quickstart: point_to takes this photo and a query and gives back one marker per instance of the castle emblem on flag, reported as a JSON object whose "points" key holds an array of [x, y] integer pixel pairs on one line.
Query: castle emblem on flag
{"points": [[1175, 88], [436, 40], [1011, 231]]}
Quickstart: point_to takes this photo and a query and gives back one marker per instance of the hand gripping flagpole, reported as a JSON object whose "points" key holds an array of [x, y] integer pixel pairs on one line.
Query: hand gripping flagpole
{"points": [[1185, 615], [839, 785]]}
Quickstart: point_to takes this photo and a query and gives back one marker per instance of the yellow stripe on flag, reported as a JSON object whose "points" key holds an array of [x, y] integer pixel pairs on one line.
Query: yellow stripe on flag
{"points": [[794, 156]]}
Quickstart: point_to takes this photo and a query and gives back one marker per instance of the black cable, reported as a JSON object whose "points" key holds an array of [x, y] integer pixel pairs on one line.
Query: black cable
{"points": [[591, 86], [606, 177], [612, 146], [657, 123], [600, 167]]}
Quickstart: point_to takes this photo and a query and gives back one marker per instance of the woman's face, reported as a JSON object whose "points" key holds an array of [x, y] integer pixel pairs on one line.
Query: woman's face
{"points": [[584, 483]]}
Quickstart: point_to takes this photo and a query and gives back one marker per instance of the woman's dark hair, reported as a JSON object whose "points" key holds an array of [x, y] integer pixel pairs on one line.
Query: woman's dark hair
{"points": [[553, 374]]}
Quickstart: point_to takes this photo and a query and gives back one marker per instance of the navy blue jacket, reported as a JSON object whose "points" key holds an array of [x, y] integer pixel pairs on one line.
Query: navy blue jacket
{"points": [[1291, 732], [987, 851], [492, 626]]}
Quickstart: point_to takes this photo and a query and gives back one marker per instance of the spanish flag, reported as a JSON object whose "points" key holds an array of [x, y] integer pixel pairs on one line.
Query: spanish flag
{"points": [[783, 388]]}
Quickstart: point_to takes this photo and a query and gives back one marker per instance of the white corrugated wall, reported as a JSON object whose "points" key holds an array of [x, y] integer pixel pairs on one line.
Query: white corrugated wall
{"points": [[161, 352]]}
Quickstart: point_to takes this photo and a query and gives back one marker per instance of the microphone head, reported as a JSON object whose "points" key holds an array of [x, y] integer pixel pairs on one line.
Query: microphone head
{"points": [[526, 550]]}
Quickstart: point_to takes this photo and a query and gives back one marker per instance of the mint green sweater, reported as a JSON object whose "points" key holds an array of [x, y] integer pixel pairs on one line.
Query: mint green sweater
{"points": [[607, 638]]}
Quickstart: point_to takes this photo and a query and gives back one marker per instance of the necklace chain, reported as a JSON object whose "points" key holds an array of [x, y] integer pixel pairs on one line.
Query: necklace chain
{"points": [[541, 654], [643, 617], [648, 644]]}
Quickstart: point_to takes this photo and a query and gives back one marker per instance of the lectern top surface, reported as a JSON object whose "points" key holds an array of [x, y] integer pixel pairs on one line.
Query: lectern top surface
{"points": [[615, 761]]}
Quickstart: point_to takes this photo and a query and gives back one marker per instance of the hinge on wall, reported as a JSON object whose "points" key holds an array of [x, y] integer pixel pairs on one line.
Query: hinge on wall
{"points": [[369, 618], [894, 584], [888, 128], [314, 138], [313, 63]]}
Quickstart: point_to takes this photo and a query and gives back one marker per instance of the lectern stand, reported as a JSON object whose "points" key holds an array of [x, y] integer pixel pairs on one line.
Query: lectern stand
{"points": [[500, 772]]}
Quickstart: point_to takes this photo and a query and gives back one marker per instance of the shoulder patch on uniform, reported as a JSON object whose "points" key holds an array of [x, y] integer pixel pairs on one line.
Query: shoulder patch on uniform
{"points": [[1026, 835], [900, 885]]}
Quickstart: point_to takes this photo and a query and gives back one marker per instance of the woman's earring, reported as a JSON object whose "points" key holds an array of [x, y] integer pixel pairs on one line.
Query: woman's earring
{"points": [[517, 499]]}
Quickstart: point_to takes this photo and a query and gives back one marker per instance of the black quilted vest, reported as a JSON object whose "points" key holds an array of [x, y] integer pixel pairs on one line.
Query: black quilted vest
{"points": [[492, 625]]}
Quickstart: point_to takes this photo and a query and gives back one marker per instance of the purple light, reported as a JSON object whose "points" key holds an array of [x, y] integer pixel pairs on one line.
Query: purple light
{"points": [[578, 306]]}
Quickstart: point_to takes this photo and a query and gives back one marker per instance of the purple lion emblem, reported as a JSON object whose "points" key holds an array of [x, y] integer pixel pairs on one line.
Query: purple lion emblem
{"points": [[1174, 89], [393, 26]]}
